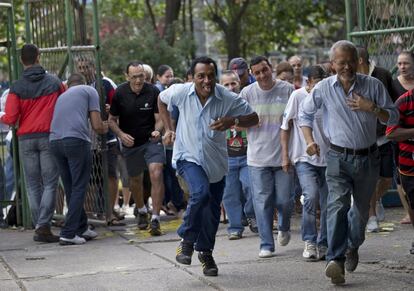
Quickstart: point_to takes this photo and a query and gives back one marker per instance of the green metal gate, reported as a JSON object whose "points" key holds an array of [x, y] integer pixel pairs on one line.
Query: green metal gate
{"points": [[8, 53], [385, 27], [66, 37]]}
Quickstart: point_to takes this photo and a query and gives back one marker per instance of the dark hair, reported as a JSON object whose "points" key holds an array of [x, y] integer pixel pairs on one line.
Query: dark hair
{"points": [[29, 54], [175, 81], [202, 60], [258, 59], [133, 64], [317, 72], [283, 67], [162, 69], [76, 79], [408, 53], [363, 53]]}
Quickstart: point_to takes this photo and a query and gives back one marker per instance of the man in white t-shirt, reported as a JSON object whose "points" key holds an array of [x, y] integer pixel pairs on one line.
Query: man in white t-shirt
{"points": [[271, 184], [310, 169]]}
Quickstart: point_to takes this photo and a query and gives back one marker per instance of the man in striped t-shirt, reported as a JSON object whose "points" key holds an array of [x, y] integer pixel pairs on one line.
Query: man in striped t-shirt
{"points": [[403, 133], [270, 175]]}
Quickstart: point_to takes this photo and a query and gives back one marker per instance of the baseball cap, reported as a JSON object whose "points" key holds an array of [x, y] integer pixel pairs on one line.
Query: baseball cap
{"points": [[239, 65]]}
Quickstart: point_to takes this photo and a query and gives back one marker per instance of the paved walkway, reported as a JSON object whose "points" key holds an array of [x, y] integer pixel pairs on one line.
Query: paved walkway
{"points": [[124, 258]]}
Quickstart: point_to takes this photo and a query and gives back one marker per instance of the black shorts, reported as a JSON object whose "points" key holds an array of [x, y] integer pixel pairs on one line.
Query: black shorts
{"points": [[407, 182], [137, 158], [112, 155], [387, 163]]}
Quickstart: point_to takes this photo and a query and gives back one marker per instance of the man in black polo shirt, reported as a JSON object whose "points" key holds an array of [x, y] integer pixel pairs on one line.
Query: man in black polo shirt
{"points": [[133, 117]]}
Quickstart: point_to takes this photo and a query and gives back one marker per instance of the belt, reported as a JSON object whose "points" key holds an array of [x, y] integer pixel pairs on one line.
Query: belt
{"points": [[359, 152]]}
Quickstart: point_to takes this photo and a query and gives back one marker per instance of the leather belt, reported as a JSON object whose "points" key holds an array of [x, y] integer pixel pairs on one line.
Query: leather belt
{"points": [[358, 152]]}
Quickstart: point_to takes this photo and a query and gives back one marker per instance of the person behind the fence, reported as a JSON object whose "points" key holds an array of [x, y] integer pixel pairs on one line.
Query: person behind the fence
{"points": [[30, 103], [70, 144], [87, 69], [351, 105], [310, 169], [135, 107], [200, 153]]}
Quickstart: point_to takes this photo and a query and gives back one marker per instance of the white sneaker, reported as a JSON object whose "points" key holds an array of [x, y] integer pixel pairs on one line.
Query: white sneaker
{"points": [[379, 209], [372, 225], [72, 241], [89, 234], [283, 238], [266, 254], [310, 253]]}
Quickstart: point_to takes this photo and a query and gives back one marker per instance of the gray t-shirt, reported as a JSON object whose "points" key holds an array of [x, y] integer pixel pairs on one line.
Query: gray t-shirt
{"points": [[71, 115], [264, 149]]}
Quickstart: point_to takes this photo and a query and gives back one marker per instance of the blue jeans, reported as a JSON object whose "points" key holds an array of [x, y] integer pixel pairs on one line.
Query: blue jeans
{"points": [[271, 187], [237, 193], [41, 176], [173, 191], [315, 191], [202, 217], [348, 175], [74, 160]]}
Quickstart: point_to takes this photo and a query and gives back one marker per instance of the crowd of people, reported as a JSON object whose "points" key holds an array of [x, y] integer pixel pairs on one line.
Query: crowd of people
{"points": [[249, 140]]}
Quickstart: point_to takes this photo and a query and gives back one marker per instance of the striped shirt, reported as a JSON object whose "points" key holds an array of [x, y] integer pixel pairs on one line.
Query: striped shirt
{"points": [[405, 105], [264, 148]]}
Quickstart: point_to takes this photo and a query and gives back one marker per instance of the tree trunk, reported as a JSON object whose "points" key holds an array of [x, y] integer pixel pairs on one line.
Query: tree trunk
{"points": [[172, 11]]}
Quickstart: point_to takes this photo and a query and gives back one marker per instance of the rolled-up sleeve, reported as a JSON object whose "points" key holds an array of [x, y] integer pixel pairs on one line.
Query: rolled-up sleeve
{"points": [[166, 97], [309, 106], [384, 101]]}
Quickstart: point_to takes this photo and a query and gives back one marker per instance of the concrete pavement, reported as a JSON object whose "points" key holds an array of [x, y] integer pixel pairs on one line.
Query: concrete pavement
{"points": [[124, 258]]}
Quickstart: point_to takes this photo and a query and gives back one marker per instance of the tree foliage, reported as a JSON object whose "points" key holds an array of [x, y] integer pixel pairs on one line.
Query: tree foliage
{"points": [[257, 27]]}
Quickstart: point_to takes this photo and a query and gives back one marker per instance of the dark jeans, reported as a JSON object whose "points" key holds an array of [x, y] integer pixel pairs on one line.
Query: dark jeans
{"points": [[348, 175], [202, 217], [73, 157], [173, 192]]}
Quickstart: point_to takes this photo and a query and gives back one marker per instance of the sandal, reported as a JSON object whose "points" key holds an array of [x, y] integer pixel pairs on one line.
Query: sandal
{"points": [[406, 220], [115, 222]]}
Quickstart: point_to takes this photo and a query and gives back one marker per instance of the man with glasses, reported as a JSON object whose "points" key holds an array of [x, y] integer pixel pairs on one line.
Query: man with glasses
{"points": [[351, 104], [133, 117]]}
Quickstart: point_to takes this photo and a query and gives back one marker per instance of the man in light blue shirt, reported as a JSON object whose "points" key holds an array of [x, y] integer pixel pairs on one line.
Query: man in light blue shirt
{"points": [[200, 153], [351, 104]]}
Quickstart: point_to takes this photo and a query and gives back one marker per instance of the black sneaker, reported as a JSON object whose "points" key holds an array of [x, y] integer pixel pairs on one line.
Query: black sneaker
{"points": [[142, 221], [208, 263], [43, 234], [253, 225], [155, 228], [184, 252], [3, 223], [351, 260]]}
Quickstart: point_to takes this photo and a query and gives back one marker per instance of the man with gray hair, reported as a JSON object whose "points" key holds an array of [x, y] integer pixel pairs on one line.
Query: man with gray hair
{"points": [[351, 104]]}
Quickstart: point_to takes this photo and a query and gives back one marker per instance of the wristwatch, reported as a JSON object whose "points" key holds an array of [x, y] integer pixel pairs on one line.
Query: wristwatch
{"points": [[376, 110], [236, 121]]}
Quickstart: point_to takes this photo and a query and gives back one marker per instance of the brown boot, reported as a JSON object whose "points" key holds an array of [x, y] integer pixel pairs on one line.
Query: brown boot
{"points": [[43, 234]]}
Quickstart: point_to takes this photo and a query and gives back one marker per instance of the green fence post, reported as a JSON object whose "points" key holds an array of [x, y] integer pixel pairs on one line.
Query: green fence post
{"points": [[104, 147], [69, 33], [348, 15]]}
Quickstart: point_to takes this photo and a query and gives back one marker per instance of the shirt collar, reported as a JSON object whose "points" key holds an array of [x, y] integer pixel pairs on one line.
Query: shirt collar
{"points": [[335, 82]]}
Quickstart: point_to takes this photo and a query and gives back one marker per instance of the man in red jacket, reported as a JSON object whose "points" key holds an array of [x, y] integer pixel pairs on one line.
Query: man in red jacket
{"points": [[30, 103]]}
